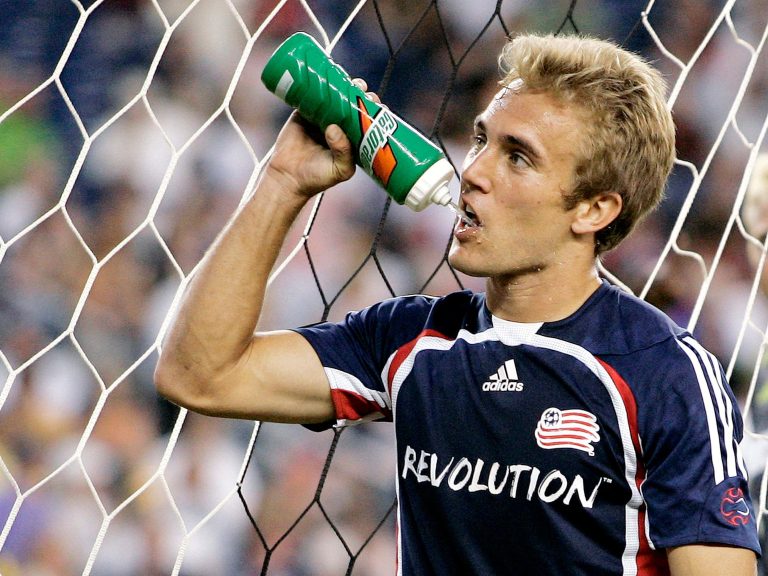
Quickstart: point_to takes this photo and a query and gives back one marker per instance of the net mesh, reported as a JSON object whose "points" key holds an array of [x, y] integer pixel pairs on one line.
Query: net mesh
{"points": [[129, 132]]}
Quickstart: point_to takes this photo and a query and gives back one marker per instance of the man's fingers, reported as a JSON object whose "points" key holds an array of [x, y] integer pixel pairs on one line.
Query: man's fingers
{"points": [[337, 140], [363, 85], [341, 150]]}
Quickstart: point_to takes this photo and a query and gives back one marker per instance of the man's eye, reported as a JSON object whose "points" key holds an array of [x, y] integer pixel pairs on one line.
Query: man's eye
{"points": [[478, 140], [519, 159]]}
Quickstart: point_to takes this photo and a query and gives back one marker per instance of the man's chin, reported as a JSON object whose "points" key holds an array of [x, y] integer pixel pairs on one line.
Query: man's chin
{"points": [[468, 268]]}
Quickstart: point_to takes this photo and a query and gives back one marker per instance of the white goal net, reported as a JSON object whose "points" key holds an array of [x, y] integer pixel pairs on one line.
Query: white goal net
{"points": [[129, 132]]}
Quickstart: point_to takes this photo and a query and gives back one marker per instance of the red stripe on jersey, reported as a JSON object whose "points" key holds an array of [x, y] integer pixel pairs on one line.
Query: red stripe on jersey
{"points": [[564, 444], [576, 435], [351, 406], [564, 438], [649, 562], [404, 351]]}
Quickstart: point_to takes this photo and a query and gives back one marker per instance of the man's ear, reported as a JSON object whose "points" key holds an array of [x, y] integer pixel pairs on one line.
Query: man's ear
{"points": [[594, 214]]}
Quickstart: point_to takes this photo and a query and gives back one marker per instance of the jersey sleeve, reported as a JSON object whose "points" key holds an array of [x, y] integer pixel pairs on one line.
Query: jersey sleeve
{"points": [[695, 490], [354, 354]]}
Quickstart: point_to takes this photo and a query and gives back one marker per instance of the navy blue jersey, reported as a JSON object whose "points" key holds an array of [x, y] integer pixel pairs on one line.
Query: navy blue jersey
{"points": [[583, 446]]}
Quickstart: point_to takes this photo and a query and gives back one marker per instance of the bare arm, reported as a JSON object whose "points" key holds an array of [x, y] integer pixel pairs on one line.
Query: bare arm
{"points": [[711, 560], [211, 361]]}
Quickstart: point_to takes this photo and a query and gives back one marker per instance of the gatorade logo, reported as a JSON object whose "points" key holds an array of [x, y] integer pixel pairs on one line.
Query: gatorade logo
{"points": [[376, 154]]}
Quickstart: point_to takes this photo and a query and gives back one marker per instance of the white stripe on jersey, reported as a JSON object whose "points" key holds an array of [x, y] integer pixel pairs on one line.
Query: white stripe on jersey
{"points": [[709, 411], [340, 380], [385, 382], [711, 384], [724, 405], [632, 537], [430, 343], [631, 510], [424, 343]]}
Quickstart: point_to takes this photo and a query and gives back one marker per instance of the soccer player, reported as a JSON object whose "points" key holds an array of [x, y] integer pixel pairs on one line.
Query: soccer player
{"points": [[552, 425]]}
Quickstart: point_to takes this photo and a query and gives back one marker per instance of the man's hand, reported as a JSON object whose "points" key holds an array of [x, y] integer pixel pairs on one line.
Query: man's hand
{"points": [[305, 161]]}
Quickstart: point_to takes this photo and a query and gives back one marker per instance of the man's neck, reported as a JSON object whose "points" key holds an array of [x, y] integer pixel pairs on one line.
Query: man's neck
{"points": [[541, 296]]}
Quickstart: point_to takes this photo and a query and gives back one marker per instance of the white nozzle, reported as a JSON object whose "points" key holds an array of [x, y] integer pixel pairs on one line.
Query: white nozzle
{"points": [[431, 187], [442, 196]]}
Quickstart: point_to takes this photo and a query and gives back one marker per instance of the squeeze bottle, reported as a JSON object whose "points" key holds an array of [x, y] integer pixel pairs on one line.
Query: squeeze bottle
{"points": [[412, 169]]}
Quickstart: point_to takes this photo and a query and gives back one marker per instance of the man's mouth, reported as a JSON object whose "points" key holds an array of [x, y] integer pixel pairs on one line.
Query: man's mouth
{"points": [[468, 218]]}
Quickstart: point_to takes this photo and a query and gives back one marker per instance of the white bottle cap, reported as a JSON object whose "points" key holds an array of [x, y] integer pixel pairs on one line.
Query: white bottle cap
{"points": [[431, 187]]}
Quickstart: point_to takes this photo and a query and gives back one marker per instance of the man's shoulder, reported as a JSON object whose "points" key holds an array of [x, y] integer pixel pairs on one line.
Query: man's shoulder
{"points": [[445, 314], [613, 321], [424, 304]]}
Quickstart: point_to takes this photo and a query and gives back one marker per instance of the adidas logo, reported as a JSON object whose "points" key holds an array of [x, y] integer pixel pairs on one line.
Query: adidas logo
{"points": [[504, 380]]}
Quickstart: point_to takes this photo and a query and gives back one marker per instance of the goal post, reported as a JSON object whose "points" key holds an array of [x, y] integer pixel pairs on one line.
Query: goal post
{"points": [[131, 130]]}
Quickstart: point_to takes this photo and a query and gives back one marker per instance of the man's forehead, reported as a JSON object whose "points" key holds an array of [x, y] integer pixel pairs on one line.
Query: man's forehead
{"points": [[500, 99], [514, 86], [549, 125], [547, 110]]}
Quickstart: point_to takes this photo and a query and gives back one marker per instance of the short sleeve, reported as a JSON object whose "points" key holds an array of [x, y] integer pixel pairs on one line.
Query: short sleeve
{"points": [[354, 354], [695, 488]]}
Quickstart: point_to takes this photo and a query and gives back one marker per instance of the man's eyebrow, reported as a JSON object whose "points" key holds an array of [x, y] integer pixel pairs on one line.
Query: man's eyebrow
{"points": [[516, 142], [511, 141]]}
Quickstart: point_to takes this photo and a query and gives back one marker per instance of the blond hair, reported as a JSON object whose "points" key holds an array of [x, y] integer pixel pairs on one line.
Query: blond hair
{"points": [[630, 144]]}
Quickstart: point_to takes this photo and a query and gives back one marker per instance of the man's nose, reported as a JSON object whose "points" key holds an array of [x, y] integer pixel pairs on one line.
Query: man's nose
{"points": [[476, 171]]}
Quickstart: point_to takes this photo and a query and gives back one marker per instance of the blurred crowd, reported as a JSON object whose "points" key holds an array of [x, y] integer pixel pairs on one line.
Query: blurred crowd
{"points": [[146, 128]]}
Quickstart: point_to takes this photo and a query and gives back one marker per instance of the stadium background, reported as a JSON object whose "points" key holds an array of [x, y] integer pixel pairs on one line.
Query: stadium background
{"points": [[309, 503]]}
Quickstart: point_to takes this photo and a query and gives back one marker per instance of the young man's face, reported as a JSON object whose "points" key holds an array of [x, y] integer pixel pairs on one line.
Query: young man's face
{"points": [[521, 165]]}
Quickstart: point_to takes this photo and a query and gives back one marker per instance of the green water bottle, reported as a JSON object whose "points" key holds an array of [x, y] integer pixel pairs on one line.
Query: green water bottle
{"points": [[412, 169]]}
